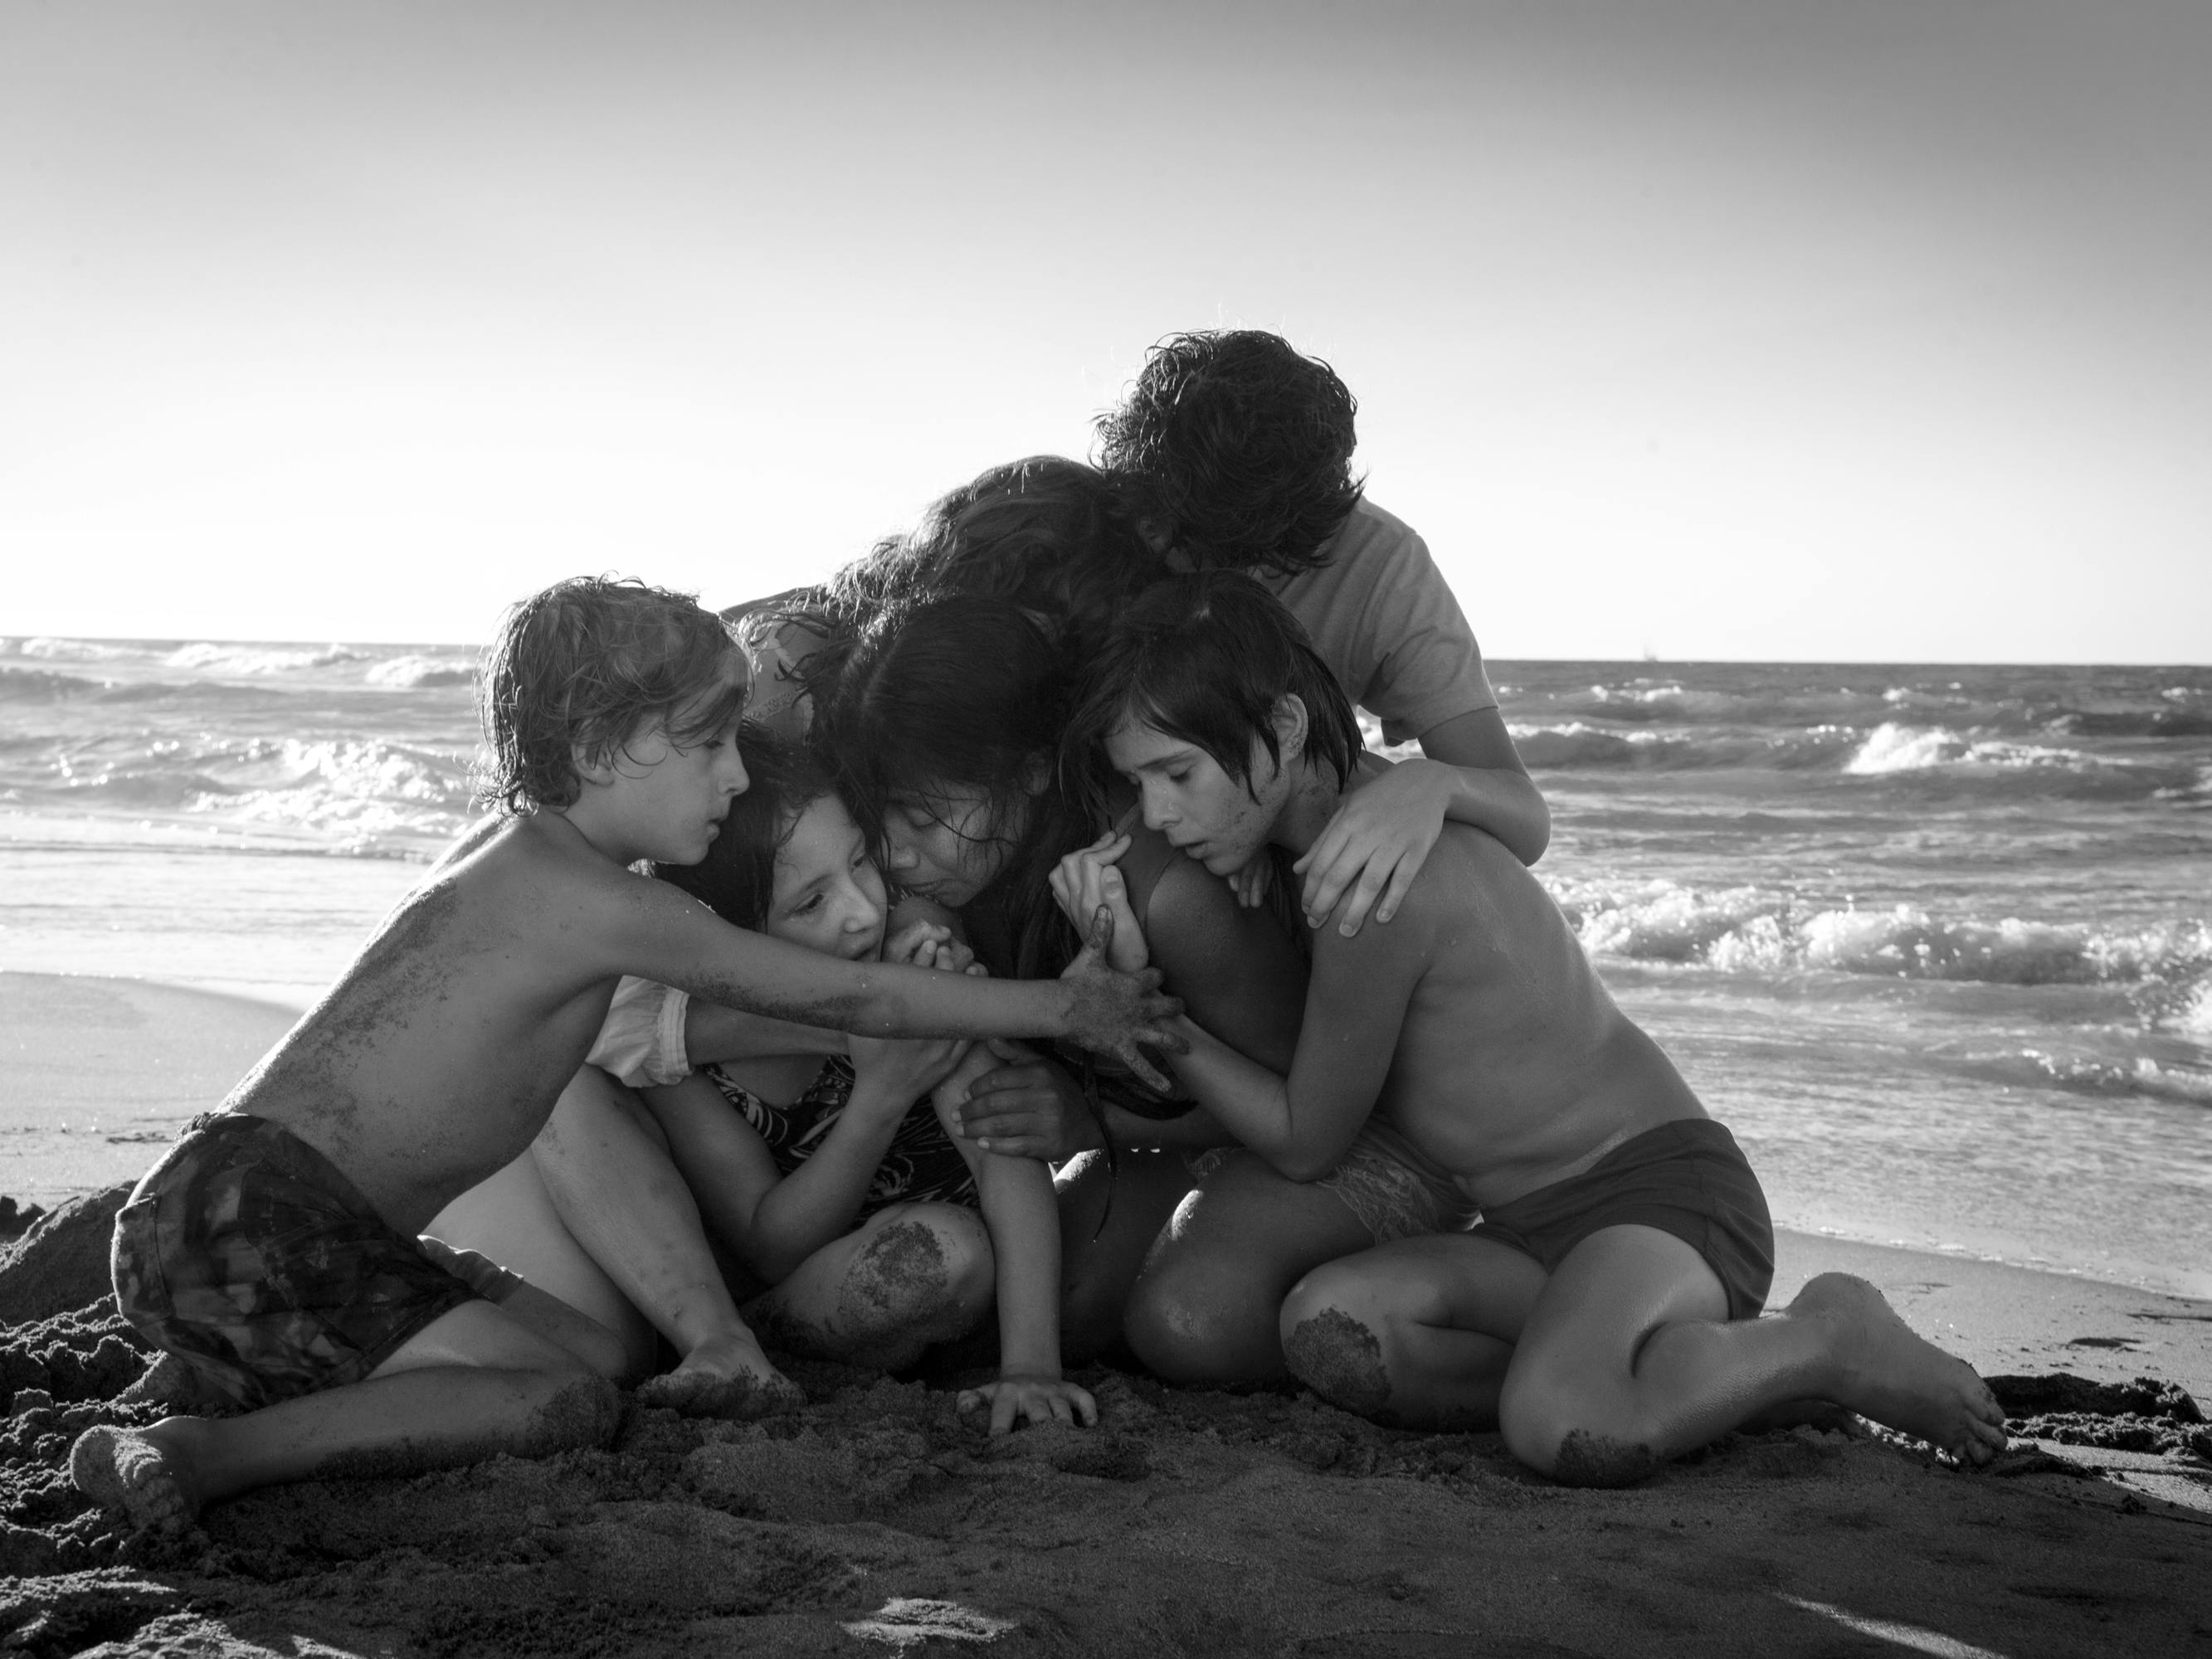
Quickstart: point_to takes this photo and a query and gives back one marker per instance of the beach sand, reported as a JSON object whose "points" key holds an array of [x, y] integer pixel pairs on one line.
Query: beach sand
{"points": [[1189, 1523]]}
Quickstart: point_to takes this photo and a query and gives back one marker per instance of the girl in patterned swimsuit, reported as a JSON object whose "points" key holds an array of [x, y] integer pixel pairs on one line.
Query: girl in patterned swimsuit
{"points": [[785, 1153]]}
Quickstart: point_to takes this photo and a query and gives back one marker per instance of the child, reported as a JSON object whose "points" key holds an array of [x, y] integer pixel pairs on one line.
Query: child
{"points": [[273, 1248], [1604, 1311], [784, 1153], [1244, 449]]}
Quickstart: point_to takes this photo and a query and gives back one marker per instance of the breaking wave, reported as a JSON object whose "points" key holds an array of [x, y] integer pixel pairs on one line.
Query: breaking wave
{"points": [[211, 659], [410, 672], [1754, 930]]}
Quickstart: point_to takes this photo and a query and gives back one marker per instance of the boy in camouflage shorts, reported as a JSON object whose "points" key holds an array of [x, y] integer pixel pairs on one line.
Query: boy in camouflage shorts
{"points": [[274, 1249]]}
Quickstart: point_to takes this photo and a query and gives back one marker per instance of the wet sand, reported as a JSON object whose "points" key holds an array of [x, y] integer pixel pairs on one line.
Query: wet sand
{"points": [[1189, 1523]]}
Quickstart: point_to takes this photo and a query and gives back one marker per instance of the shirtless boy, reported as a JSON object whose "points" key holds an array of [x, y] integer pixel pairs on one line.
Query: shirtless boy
{"points": [[274, 1249], [1603, 1312]]}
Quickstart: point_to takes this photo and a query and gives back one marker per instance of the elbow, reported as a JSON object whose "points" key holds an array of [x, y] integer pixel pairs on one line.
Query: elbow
{"points": [[1536, 834], [1296, 1164]]}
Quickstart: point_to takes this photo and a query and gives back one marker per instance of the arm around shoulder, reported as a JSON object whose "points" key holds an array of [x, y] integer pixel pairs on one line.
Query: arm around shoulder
{"points": [[1493, 791]]}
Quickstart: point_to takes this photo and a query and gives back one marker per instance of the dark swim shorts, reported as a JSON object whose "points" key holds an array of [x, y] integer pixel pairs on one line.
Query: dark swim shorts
{"points": [[1688, 1178], [247, 1254]]}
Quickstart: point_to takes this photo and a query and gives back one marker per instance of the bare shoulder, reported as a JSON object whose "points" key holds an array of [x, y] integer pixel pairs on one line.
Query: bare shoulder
{"points": [[539, 878], [1181, 892], [1475, 898]]}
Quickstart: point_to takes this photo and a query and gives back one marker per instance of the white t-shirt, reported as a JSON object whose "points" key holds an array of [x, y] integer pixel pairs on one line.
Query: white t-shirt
{"points": [[1384, 619]]}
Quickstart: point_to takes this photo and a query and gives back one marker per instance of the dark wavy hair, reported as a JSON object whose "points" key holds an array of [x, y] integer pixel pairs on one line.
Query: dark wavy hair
{"points": [[737, 878], [585, 667], [1206, 657], [1241, 448], [1055, 537], [961, 693]]}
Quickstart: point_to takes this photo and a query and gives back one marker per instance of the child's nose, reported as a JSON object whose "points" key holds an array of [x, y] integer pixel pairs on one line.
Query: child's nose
{"points": [[904, 858]]}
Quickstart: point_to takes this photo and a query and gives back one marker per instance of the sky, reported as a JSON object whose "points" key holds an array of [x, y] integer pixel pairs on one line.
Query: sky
{"points": [[1818, 330]]}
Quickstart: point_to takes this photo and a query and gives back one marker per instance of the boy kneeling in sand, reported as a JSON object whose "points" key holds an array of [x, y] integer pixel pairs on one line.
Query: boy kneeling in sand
{"points": [[1603, 1312], [274, 1248]]}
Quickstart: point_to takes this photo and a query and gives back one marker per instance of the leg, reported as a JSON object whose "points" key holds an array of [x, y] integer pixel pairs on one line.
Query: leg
{"points": [[1627, 1359], [608, 1173], [510, 1216], [1204, 1309], [473, 1382], [1416, 1333], [909, 1276], [1109, 1220]]}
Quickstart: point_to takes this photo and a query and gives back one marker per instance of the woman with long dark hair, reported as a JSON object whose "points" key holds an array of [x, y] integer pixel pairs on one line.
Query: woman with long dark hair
{"points": [[945, 719]]}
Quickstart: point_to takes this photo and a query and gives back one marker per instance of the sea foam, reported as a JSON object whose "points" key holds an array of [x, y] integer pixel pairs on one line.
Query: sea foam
{"points": [[1760, 930], [223, 658]]}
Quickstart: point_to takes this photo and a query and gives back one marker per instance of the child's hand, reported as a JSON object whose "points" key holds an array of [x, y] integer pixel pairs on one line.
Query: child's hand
{"points": [[893, 1073], [931, 944], [948, 1095], [1087, 878], [1381, 834], [1111, 1014], [905, 944], [1250, 883], [1027, 1107], [1031, 1399]]}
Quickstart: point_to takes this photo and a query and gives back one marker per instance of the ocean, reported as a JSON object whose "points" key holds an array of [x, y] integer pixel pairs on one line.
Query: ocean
{"points": [[1936, 942]]}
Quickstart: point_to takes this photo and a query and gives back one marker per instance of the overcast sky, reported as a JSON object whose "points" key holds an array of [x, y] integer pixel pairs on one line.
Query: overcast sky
{"points": [[1844, 330]]}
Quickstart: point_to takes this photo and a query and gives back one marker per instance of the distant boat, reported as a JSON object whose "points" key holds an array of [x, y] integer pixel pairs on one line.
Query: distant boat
{"points": [[1650, 655]]}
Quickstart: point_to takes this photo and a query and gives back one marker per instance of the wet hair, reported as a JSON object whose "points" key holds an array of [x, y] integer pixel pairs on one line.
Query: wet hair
{"points": [[584, 667], [1206, 657], [961, 693], [737, 878], [1241, 447]]}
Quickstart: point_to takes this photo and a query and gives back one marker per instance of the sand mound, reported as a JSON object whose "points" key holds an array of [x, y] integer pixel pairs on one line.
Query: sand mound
{"points": [[60, 1261]]}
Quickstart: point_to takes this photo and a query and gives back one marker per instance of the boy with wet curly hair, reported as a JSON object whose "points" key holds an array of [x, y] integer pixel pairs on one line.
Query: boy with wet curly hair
{"points": [[1240, 449], [274, 1249]]}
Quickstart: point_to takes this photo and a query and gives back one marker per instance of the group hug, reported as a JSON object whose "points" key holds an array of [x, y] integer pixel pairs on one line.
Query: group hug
{"points": [[1012, 939]]}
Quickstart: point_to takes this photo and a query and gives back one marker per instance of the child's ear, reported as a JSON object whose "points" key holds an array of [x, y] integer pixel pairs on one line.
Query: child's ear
{"points": [[592, 768], [1036, 774], [1289, 721]]}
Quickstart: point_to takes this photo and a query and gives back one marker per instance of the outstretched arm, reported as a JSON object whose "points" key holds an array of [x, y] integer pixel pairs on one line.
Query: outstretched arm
{"points": [[661, 933], [1381, 836]]}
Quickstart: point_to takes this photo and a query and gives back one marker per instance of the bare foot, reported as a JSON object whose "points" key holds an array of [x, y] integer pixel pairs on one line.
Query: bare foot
{"points": [[127, 1473], [726, 1376], [1898, 1378]]}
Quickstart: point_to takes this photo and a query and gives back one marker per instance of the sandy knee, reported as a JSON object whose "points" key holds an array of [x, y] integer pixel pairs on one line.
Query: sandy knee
{"points": [[913, 1268], [1558, 1425], [1336, 1356], [1582, 1458]]}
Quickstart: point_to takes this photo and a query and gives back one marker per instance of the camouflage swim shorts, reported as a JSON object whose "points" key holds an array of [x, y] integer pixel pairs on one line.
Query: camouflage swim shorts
{"points": [[247, 1254]]}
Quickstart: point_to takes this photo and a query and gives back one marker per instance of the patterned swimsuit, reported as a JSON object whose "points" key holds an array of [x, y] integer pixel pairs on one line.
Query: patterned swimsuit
{"points": [[921, 1166]]}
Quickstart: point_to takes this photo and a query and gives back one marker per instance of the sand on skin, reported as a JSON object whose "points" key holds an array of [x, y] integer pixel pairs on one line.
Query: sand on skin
{"points": [[1187, 1522]]}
